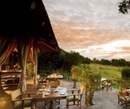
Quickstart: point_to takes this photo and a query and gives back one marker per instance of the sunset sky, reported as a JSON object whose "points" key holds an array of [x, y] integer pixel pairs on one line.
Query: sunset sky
{"points": [[94, 28]]}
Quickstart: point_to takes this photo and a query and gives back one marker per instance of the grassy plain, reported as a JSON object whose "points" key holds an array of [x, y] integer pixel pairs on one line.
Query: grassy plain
{"points": [[107, 71]]}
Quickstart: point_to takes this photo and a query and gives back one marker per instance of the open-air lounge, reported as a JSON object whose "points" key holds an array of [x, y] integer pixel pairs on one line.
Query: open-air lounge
{"points": [[25, 30], [54, 98]]}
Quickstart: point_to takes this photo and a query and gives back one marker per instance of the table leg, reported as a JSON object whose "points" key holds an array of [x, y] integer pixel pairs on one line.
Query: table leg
{"points": [[51, 104]]}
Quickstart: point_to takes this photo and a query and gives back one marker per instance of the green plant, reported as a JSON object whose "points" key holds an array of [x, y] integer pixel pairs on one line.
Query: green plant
{"points": [[125, 73], [30, 70], [75, 72], [126, 77], [91, 81]]}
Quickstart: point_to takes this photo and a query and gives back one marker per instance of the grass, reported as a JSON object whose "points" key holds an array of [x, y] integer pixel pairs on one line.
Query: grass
{"points": [[107, 70]]}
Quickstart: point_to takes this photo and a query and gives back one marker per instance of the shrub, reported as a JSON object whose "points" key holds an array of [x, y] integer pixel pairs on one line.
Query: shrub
{"points": [[125, 73], [125, 77]]}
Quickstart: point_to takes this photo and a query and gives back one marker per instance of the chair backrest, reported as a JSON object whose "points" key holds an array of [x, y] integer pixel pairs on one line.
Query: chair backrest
{"points": [[75, 96], [53, 83], [81, 89], [122, 94], [52, 79], [15, 94]]}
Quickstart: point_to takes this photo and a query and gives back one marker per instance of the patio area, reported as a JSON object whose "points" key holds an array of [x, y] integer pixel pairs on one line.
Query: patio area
{"points": [[102, 99]]}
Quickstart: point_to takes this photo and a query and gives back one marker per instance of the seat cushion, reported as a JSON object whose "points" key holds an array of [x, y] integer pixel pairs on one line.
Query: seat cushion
{"points": [[18, 104], [72, 98], [125, 98], [27, 103]]}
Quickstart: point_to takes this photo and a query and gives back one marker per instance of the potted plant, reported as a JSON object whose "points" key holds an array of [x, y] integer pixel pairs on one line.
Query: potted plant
{"points": [[91, 81], [75, 71]]}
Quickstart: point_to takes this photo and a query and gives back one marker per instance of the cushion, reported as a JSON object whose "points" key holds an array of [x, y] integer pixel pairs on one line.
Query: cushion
{"points": [[71, 97], [18, 104]]}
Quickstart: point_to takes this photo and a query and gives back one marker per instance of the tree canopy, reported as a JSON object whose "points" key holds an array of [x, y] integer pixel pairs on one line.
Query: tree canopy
{"points": [[124, 6]]}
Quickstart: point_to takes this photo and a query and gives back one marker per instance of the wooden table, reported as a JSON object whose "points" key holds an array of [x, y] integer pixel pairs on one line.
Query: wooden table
{"points": [[55, 76], [46, 95]]}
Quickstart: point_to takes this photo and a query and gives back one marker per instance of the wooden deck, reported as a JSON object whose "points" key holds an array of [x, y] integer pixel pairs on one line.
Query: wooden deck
{"points": [[102, 99]]}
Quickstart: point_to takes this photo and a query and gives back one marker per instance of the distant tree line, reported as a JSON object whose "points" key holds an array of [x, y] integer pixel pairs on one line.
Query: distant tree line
{"points": [[53, 61], [114, 62]]}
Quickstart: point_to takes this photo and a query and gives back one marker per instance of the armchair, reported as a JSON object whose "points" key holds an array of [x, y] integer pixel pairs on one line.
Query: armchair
{"points": [[74, 97], [53, 84], [123, 99], [106, 84], [19, 100]]}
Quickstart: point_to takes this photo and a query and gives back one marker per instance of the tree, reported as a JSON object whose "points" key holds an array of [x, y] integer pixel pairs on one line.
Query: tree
{"points": [[70, 59], [105, 62], [49, 61], [118, 62], [91, 81], [124, 6]]}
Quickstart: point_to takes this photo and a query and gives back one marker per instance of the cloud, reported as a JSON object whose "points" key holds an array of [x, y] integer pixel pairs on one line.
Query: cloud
{"points": [[115, 49], [94, 28]]}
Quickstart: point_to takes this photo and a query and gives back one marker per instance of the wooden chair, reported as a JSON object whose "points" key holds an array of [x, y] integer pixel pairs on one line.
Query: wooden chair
{"points": [[52, 79], [74, 97], [53, 84], [41, 83], [123, 99], [106, 84], [20, 101]]}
